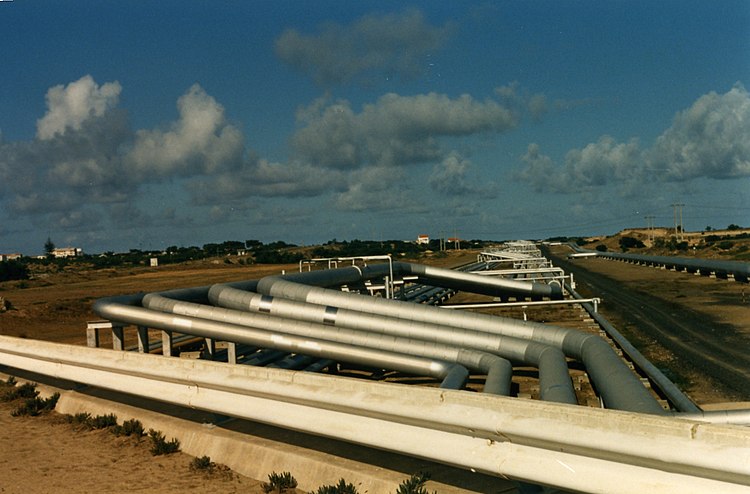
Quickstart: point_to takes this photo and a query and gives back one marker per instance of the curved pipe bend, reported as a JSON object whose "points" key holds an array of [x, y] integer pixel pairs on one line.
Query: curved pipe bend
{"points": [[616, 383]]}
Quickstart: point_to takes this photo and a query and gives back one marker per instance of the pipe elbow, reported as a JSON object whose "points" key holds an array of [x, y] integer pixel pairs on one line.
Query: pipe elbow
{"points": [[455, 376]]}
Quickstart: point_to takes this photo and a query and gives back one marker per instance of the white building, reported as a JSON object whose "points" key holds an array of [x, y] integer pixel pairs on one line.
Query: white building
{"points": [[67, 252], [423, 239]]}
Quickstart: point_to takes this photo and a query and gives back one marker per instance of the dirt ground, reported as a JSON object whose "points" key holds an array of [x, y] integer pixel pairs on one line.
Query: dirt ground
{"points": [[46, 454]]}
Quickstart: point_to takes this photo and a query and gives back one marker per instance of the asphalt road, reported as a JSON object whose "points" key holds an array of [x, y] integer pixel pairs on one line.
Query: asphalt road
{"points": [[701, 344]]}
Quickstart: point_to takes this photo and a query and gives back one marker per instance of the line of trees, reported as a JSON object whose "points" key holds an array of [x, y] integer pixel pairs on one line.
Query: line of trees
{"points": [[247, 252]]}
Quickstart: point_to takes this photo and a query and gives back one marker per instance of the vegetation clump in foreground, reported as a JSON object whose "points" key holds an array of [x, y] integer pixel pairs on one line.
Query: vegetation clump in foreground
{"points": [[159, 444], [279, 483], [414, 484], [342, 487], [32, 405]]}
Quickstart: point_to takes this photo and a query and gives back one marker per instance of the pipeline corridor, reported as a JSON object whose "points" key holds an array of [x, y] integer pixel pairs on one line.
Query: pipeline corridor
{"points": [[309, 315]]}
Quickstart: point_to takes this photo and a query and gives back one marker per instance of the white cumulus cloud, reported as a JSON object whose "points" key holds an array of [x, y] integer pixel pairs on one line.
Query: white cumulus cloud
{"points": [[69, 106], [711, 139], [200, 141], [395, 130]]}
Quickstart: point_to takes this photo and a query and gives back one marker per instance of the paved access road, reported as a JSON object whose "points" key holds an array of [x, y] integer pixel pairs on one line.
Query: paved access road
{"points": [[701, 344]]}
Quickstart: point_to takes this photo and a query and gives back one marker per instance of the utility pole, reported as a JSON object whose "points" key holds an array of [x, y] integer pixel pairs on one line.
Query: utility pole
{"points": [[650, 228], [676, 207]]}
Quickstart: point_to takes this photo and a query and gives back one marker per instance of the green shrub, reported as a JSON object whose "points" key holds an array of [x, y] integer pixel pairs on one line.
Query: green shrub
{"points": [[414, 484], [279, 482], [13, 270], [36, 406], [341, 488], [630, 243], [25, 390], [202, 464], [103, 421], [130, 427], [160, 446], [81, 418], [85, 420]]}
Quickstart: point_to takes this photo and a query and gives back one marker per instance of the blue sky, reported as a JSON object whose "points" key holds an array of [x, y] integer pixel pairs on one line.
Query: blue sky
{"points": [[149, 124]]}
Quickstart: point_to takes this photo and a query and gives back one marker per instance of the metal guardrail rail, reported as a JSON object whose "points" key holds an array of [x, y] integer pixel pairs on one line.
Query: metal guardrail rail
{"points": [[575, 448]]}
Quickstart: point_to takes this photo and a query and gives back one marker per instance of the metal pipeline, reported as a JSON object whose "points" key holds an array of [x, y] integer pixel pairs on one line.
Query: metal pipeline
{"points": [[554, 379], [126, 310], [474, 283], [618, 386], [498, 370], [428, 275]]}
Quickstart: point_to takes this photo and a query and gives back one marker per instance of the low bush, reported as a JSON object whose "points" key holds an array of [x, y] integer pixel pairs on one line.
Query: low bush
{"points": [[81, 418], [279, 482], [160, 446], [202, 464], [132, 427], [36, 406], [103, 421], [341, 488], [414, 484], [25, 390], [86, 421]]}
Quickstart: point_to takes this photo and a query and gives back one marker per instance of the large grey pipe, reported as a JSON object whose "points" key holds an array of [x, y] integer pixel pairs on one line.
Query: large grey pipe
{"points": [[474, 283], [617, 385], [554, 379], [126, 310], [499, 371], [429, 275]]}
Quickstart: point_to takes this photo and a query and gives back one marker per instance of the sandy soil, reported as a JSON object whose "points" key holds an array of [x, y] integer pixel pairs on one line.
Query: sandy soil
{"points": [[46, 454]]}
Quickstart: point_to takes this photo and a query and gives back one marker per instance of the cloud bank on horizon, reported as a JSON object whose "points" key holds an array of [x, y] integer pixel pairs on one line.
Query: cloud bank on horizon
{"points": [[711, 139], [87, 170]]}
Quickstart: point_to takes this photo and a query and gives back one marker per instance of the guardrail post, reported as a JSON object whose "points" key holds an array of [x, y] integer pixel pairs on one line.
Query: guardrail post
{"points": [[118, 339], [166, 343], [210, 348], [92, 332], [143, 345], [231, 352]]}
